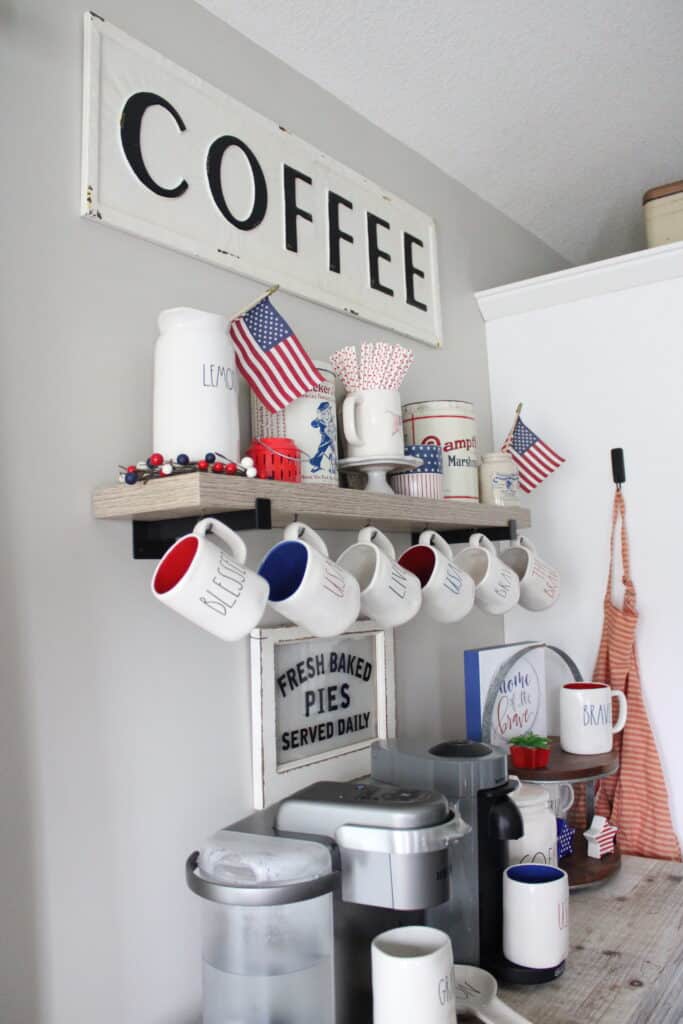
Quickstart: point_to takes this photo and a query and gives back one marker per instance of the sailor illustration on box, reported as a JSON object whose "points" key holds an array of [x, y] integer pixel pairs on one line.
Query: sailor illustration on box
{"points": [[324, 422]]}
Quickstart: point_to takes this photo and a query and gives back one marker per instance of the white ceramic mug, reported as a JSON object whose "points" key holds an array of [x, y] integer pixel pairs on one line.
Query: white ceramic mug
{"points": [[561, 796], [539, 583], [497, 585], [389, 594], [447, 591], [209, 585], [586, 717], [306, 586], [372, 424], [535, 915], [412, 977]]}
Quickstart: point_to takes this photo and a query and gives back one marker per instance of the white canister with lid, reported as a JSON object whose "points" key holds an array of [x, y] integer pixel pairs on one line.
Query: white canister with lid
{"points": [[311, 422], [538, 845], [195, 386], [498, 479]]}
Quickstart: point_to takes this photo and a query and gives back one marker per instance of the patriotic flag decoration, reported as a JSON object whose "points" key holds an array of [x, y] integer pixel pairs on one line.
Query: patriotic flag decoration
{"points": [[271, 358], [536, 460], [565, 838]]}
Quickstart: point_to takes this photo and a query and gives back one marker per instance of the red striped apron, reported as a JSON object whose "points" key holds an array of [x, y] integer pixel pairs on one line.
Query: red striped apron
{"points": [[636, 798]]}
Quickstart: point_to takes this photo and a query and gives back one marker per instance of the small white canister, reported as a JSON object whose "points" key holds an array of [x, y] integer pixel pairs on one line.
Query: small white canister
{"points": [[311, 422], [195, 386], [498, 479], [538, 845]]}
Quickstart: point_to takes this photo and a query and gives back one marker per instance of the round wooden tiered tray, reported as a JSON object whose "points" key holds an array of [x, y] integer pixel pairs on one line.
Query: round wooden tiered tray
{"points": [[583, 769]]}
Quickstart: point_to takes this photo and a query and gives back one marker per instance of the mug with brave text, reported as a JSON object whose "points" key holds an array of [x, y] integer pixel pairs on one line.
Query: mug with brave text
{"points": [[209, 585], [586, 717], [447, 591], [389, 594], [539, 582], [497, 586], [306, 586]]}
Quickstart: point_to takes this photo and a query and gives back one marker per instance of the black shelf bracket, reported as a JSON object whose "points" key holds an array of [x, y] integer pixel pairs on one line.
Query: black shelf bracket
{"points": [[153, 537], [508, 532]]}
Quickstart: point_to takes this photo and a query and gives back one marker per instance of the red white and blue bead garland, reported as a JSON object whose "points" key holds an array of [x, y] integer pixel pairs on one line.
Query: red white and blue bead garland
{"points": [[157, 466]]}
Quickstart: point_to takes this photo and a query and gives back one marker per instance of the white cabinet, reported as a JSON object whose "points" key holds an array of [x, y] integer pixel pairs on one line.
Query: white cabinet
{"points": [[595, 353]]}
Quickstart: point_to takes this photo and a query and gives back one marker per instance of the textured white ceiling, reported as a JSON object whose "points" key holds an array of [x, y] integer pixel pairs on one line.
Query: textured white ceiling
{"points": [[558, 113]]}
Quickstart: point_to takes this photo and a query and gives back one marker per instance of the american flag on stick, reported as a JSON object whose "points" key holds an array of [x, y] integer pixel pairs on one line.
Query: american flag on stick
{"points": [[535, 459], [270, 356]]}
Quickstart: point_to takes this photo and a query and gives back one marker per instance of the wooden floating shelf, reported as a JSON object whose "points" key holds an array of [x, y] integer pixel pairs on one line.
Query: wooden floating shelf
{"points": [[322, 506]]}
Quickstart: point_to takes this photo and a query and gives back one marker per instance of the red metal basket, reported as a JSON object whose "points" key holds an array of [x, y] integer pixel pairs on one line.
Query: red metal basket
{"points": [[276, 458]]}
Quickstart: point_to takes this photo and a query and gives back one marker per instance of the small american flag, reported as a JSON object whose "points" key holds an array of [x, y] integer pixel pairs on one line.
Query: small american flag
{"points": [[536, 460], [271, 358]]}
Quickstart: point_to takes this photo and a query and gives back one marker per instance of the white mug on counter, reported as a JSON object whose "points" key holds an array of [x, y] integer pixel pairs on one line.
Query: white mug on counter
{"points": [[306, 586], [412, 977], [586, 717], [539, 582], [535, 915], [497, 586], [372, 424], [203, 577], [447, 591], [389, 594]]}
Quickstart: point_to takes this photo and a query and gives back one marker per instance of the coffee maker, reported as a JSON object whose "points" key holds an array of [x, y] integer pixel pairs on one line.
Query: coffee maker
{"points": [[294, 895], [473, 776]]}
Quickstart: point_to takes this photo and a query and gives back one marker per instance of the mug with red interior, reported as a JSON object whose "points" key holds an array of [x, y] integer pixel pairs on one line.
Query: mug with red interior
{"points": [[203, 577], [586, 717], [447, 591]]}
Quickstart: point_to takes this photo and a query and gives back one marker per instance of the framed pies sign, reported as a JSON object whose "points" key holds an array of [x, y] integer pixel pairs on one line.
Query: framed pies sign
{"points": [[317, 705]]}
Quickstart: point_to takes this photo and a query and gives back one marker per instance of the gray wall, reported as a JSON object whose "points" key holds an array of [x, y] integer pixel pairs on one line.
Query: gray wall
{"points": [[124, 731]]}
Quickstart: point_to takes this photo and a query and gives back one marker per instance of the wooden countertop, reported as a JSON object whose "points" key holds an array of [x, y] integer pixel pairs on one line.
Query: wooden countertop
{"points": [[625, 963]]}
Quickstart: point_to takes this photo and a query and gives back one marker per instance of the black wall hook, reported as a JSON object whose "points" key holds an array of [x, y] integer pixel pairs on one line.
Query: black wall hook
{"points": [[618, 468]]}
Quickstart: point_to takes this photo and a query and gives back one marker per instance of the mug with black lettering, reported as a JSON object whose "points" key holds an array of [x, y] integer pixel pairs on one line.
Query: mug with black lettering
{"points": [[447, 591], [389, 594], [203, 577], [306, 586], [586, 717]]}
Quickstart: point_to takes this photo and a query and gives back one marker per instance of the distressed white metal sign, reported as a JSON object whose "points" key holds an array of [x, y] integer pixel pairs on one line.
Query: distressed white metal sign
{"points": [[317, 705], [172, 159]]}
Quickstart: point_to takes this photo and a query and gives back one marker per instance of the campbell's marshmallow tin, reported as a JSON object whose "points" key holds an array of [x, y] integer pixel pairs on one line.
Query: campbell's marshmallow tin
{"points": [[451, 425]]}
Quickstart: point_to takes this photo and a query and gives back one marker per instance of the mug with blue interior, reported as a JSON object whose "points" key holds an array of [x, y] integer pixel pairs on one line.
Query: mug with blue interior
{"points": [[306, 586], [535, 915]]}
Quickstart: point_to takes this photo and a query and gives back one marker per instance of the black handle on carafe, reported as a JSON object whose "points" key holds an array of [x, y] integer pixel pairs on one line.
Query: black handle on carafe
{"points": [[504, 820]]}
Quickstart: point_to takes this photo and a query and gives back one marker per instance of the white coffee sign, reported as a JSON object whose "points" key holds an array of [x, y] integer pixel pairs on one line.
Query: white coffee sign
{"points": [[170, 158]]}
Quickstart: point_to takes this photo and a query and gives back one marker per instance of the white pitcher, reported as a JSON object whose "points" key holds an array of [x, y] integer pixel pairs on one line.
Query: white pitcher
{"points": [[195, 386]]}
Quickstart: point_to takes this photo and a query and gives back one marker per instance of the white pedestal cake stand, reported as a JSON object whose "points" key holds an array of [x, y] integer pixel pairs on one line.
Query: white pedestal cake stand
{"points": [[376, 469]]}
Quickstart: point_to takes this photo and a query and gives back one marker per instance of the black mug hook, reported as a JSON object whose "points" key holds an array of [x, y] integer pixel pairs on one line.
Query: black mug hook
{"points": [[618, 468]]}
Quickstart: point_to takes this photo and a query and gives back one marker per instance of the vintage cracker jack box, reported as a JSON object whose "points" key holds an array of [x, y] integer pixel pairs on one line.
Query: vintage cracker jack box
{"points": [[499, 706]]}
